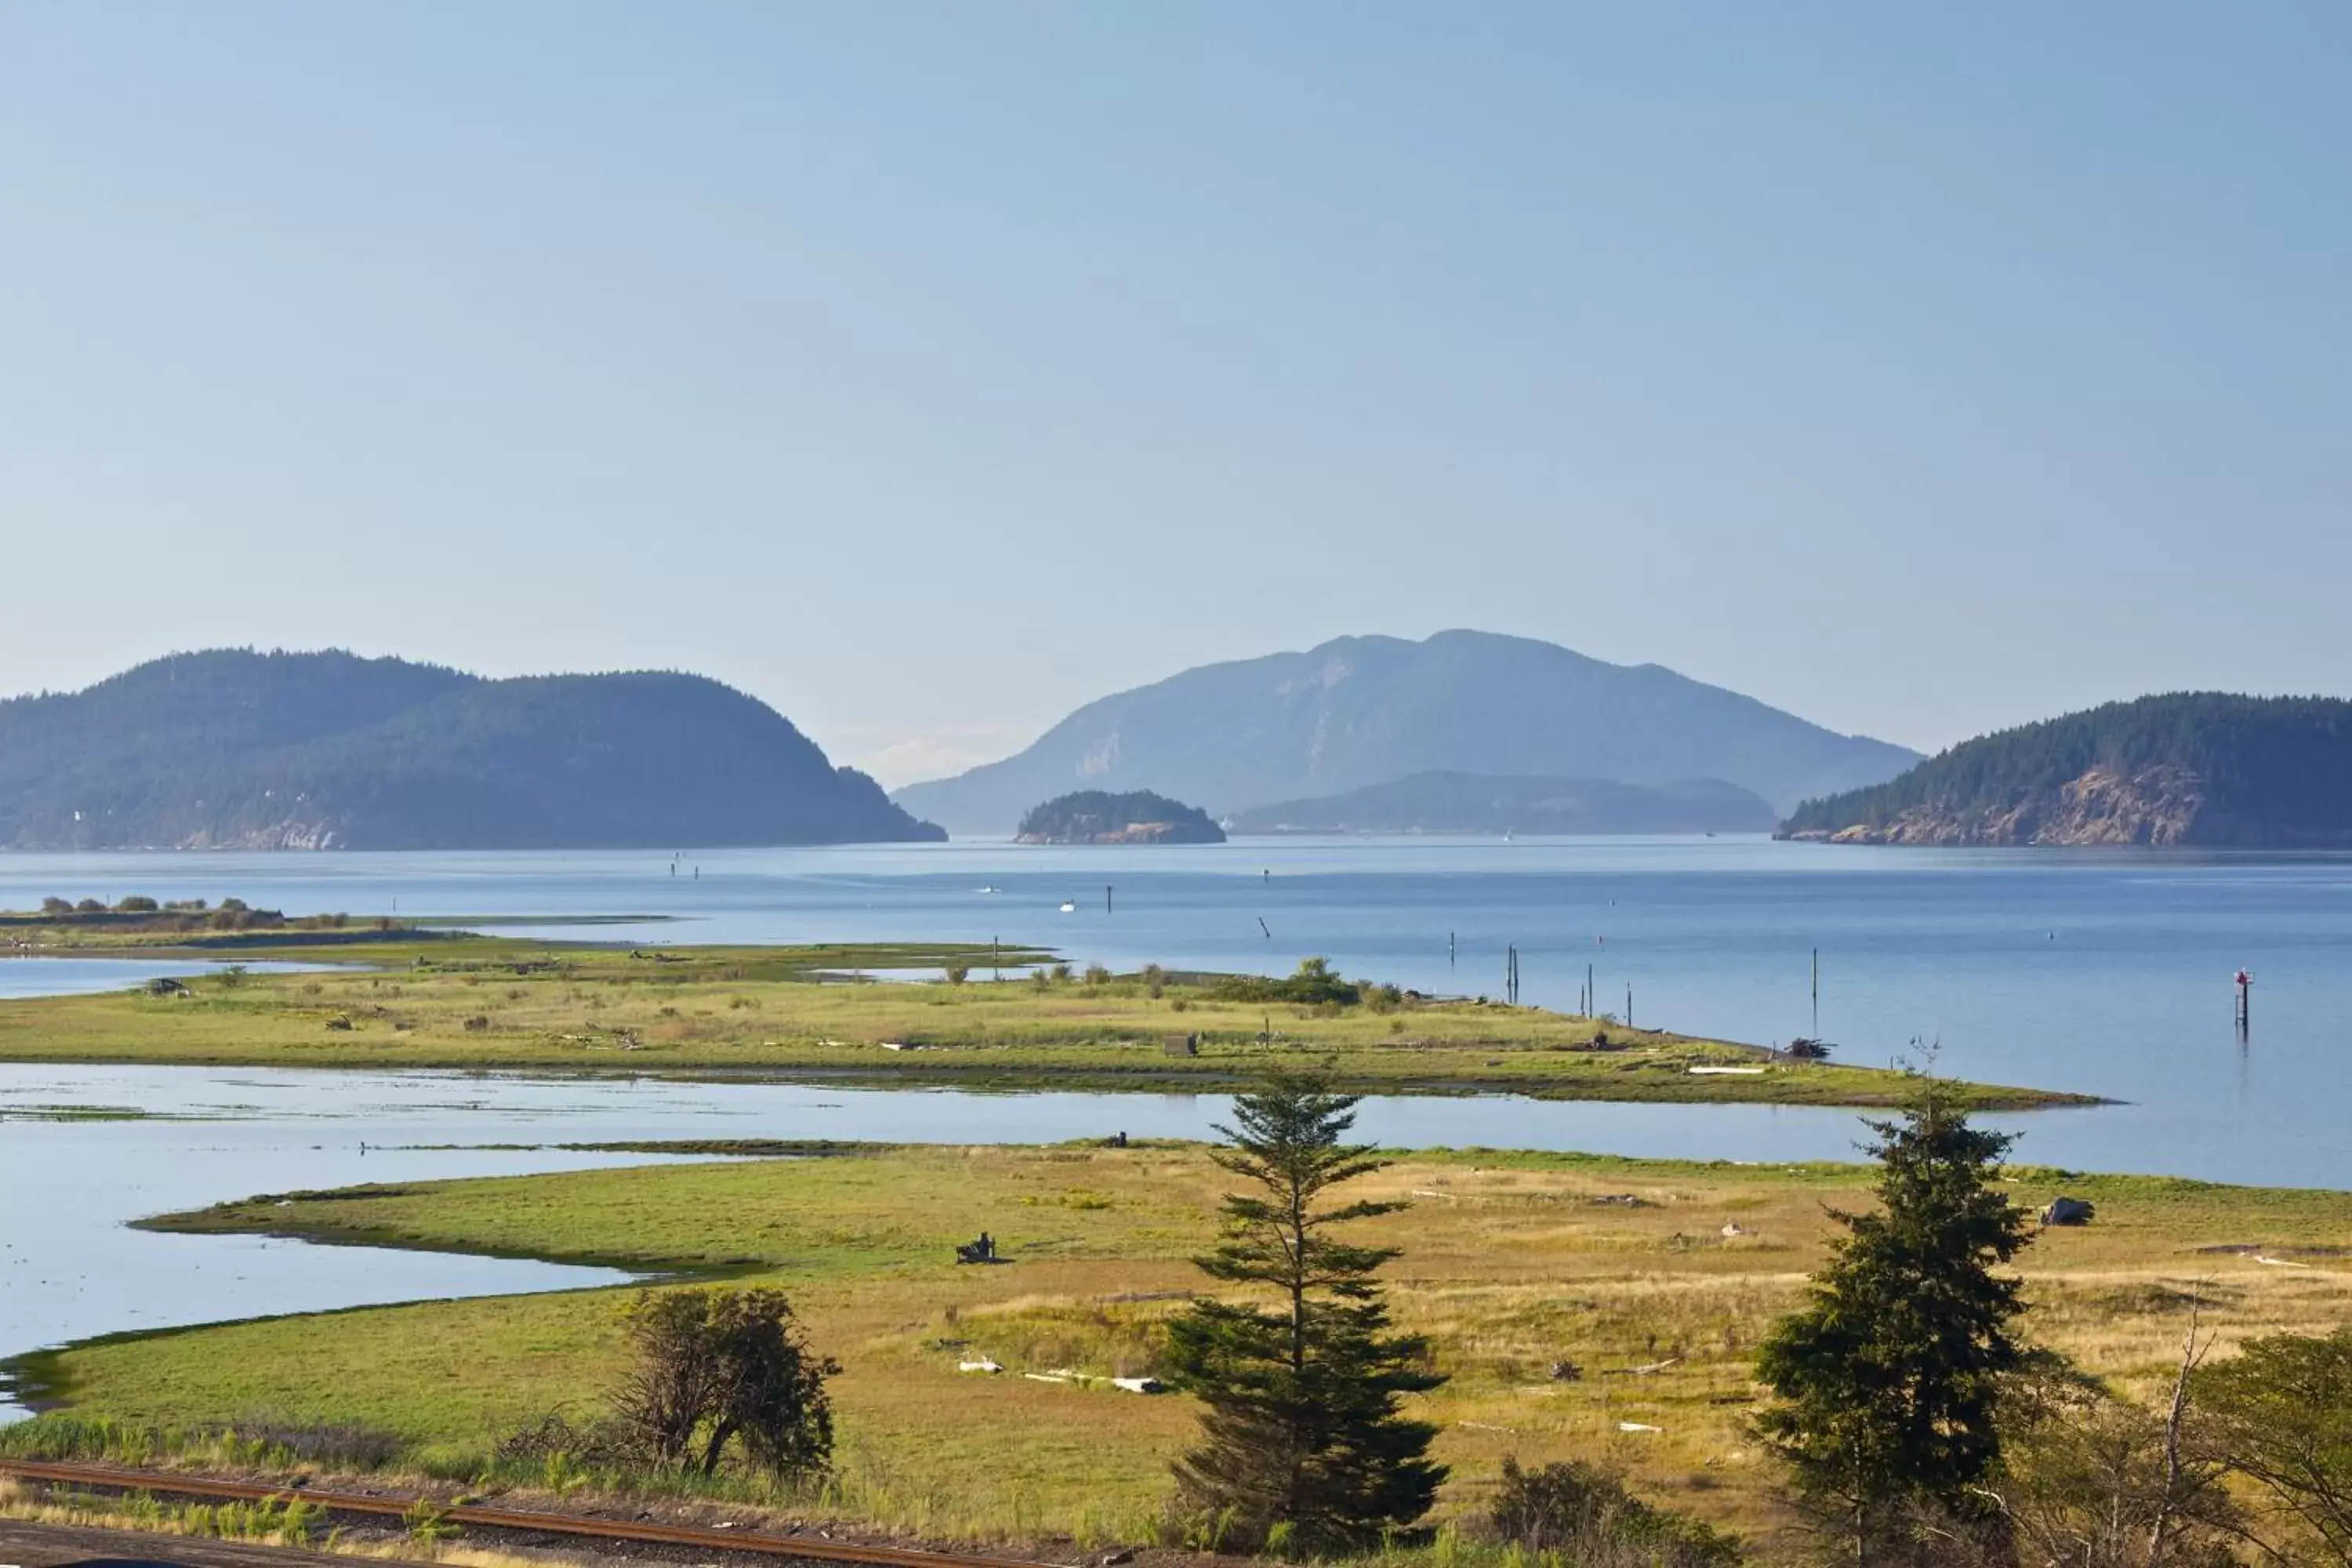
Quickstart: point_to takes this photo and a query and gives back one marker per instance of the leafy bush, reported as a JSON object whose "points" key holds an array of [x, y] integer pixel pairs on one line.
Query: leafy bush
{"points": [[135, 905], [2094, 1481], [1580, 1513], [1314, 984], [715, 1367], [2280, 1414], [957, 973]]}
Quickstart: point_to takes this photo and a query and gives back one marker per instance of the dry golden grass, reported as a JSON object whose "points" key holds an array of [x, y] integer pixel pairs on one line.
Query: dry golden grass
{"points": [[1512, 1263]]}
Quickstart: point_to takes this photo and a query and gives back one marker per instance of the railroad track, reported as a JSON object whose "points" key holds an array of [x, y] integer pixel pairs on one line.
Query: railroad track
{"points": [[114, 1478]]}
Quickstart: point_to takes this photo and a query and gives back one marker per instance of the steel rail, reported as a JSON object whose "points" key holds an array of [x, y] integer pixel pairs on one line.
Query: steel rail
{"points": [[120, 1480]]}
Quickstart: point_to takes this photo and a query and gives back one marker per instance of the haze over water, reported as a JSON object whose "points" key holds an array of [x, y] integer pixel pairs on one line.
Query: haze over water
{"points": [[2106, 972]]}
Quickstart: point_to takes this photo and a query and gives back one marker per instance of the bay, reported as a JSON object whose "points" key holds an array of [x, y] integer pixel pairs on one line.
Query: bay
{"points": [[2104, 971]]}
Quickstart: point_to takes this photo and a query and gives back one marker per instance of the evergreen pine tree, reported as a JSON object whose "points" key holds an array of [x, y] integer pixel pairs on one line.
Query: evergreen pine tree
{"points": [[1885, 1383], [1303, 1442]]}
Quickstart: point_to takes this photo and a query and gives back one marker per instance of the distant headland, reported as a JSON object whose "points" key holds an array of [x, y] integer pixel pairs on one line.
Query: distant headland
{"points": [[234, 748], [2190, 769]]}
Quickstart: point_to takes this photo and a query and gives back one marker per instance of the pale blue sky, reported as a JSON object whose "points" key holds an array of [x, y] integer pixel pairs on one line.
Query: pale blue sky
{"points": [[930, 370]]}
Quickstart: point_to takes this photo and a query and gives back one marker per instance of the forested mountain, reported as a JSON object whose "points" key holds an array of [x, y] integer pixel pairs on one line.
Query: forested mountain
{"points": [[2191, 768], [1139, 816], [1484, 802], [330, 751], [1366, 711]]}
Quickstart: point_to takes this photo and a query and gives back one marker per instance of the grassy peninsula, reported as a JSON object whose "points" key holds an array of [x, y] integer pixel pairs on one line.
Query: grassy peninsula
{"points": [[1563, 1294], [410, 997]]}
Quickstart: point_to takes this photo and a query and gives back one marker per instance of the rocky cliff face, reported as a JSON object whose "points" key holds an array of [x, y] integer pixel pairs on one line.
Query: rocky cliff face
{"points": [[2156, 807], [286, 835]]}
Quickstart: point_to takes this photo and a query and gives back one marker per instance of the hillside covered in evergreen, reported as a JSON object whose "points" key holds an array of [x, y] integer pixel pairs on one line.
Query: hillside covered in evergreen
{"points": [[329, 750], [2190, 768], [1137, 816]]}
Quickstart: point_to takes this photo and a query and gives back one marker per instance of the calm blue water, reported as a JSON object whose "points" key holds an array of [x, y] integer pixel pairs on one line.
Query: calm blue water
{"points": [[2102, 972], [80, 976]]}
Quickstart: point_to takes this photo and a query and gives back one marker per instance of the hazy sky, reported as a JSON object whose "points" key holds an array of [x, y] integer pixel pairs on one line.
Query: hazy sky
{"points": [[930, 370]]}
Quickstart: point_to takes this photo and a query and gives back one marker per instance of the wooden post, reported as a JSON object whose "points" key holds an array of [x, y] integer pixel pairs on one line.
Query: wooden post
{"points": [[1817, 992], [1106, 898]]}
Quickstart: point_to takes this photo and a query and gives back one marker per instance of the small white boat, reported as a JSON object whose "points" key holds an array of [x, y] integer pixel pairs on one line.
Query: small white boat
{"points": [[1069, 909]]}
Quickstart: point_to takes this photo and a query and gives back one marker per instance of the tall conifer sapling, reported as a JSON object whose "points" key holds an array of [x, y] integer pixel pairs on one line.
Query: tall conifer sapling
{"points": [[1885, 1383], [1303, 1439]]}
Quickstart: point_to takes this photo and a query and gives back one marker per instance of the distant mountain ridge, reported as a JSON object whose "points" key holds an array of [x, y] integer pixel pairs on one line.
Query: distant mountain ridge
{"points": [[313, 751], [2186, 768], [1365, 710], [1485, 802]]}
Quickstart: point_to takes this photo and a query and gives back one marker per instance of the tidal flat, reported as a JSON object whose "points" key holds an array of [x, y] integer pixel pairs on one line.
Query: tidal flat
{"points": [[914, 1014]]}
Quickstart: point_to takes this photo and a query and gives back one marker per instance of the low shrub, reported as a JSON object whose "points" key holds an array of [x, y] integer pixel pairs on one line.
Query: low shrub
{"points": [[1582, 1514], [1315, 983]]}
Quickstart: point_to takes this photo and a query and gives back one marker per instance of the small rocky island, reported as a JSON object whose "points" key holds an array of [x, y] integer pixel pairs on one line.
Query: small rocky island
{"points": [[1096, 816]]}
